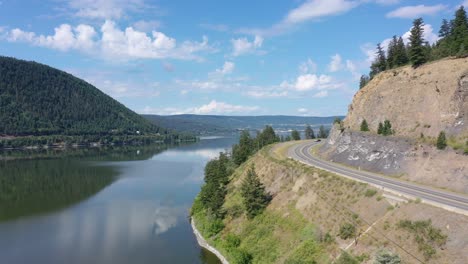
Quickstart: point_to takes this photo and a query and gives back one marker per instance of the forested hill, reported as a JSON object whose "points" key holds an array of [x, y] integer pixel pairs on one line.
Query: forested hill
{"points": [[37, 100], [215, 124]]}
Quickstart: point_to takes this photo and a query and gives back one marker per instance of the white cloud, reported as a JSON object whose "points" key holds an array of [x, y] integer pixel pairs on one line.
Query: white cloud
{"points": [[314, 9], [416, 11], [242, 46], [65, 38], [336, 63], [105, 9], [213, 107], [308, 66], [307, 82], [267, 94], [113, 43], [353, 69], [307, 11], [227, 68], [302, 110]]}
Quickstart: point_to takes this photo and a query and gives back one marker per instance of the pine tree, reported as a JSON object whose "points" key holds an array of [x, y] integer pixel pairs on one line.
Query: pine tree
{"points": [[295, 135], [392, 52], [401, 56], [380, 129], [242, 151], [309, 132], [364, 125], [255, 198], [459, 33], [387, 128], [441, 140], [363, 81], [417, 50], [445, 29], [322, 132]]}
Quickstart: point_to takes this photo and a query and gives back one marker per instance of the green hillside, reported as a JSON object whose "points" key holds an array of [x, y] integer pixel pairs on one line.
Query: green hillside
{"points": [[38, 101]]}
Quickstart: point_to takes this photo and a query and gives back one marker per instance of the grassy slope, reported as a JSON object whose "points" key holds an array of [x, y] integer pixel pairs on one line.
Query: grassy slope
{"points": [[310, 203]]}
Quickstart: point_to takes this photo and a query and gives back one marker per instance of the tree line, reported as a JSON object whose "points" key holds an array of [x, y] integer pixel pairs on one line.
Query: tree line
{"points": [[453, 41]]}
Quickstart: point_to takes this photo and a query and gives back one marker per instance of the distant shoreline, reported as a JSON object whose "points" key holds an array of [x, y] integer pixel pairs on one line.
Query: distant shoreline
{"points": [[202, 242]]}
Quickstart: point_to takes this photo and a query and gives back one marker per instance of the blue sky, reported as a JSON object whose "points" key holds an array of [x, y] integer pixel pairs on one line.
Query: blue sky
{"points": [[238, 57]]}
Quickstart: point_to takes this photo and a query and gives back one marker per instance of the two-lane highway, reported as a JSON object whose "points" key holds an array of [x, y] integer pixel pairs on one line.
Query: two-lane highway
{"points": [[448, 200]]}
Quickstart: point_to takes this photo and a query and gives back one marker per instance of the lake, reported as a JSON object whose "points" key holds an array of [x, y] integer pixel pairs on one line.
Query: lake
{"points": [[129, 205]]}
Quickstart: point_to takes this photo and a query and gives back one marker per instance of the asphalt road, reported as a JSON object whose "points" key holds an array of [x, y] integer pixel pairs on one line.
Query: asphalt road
{"points": [[302, 152]]}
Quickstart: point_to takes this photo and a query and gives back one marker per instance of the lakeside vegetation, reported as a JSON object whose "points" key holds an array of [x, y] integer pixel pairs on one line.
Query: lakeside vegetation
{"points": [[43, 106]]}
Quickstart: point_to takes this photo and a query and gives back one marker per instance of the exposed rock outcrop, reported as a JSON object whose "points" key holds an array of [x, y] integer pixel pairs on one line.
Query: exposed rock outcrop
{"points": [[429, 99], [418, 102]]}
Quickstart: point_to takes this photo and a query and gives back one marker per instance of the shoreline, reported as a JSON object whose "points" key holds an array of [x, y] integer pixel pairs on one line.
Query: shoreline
{"points": [[202, 242]]}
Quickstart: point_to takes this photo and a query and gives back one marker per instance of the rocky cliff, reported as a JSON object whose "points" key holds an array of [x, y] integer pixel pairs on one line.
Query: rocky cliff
{"points": [[429, 99], [419, 104]]}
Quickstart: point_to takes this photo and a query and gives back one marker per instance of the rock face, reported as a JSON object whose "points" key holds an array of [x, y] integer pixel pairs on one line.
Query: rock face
{"points": [[426, 100], [429, 99]]}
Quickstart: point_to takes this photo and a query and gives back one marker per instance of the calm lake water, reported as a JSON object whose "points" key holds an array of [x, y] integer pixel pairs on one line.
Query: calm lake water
{"points": [[116, 206]]}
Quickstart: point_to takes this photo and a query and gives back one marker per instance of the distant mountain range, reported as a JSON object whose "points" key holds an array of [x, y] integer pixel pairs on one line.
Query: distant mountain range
{"points": [[216, 124]]}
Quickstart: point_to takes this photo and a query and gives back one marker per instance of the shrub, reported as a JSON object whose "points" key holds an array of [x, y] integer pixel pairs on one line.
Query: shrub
{"points": [[386, 257], [307, 252], [241, 256], [346, 258], [441, 140], [364, 125], [347, 230], [370, 192]]}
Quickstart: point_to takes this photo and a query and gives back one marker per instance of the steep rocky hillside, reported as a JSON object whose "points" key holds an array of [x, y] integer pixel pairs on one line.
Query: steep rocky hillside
{"points": [[419, 103], [429, 99], [310, 209]]}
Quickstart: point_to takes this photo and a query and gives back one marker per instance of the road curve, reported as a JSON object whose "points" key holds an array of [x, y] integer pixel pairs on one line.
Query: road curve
{"points": [[448, 200]]}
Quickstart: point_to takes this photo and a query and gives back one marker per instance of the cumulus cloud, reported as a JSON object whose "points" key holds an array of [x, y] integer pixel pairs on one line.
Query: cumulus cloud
{"points": [[242, 46], [114, 43], [416, 11], [227, 68], [307, 82], [336, 63], [65, 38]]}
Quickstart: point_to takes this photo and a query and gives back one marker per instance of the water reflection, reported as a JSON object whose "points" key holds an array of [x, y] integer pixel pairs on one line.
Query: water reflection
{"points": [[142, 217]]}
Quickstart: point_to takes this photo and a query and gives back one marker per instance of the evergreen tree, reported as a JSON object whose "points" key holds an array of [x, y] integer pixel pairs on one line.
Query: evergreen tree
{"points": [[242, 151], [364, 125], [417, 50], [445, 29], [363, 81], [309, 132], [458, 37], [441, 140], [214, 190], [255, 198], [266, 137], [387, 128], [322, 132], [380, 129], [380, 63], [295, 135], [392, 52], [401, 56]]}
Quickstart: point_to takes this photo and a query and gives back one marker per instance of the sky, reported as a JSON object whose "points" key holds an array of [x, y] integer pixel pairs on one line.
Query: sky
{"points": [[255, 57]]}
